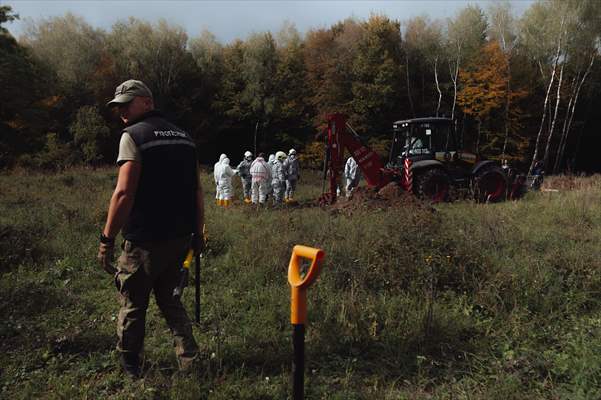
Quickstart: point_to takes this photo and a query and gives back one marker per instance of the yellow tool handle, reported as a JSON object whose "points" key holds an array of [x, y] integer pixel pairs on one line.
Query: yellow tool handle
{"points": [[188, 260]]}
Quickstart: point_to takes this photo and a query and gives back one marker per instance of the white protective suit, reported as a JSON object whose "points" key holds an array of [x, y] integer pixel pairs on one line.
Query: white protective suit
{"points": [[270, 164], [278, 180], [260, 173], [352, 174], [292, 169], [226, 190], [216, 173]]}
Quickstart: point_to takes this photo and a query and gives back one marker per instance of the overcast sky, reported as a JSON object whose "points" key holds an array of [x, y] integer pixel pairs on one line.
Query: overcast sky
{"points": [[229, 20]]}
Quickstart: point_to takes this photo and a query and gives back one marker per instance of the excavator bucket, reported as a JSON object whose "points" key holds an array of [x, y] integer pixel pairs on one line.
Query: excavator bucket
{"points": [[341, 137]]}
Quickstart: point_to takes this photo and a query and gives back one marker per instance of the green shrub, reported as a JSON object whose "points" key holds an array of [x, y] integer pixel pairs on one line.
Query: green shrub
{"points": [[89, 133]]}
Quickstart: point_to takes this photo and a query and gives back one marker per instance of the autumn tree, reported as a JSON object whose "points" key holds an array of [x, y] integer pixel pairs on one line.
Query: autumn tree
{"points": [[466, 34], [483, 90], [562, 40], [582, 45], [292, 114], [24, 90], [259, 66], [329, 55], [228, 101], [71, 48], [424, 47], [376, 75], [207, 80], [154, 53], [502, 29], [523, 88], [207, 52]]}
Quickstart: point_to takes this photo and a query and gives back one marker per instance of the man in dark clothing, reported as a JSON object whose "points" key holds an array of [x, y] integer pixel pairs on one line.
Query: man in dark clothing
{"points": [[158, 205]]}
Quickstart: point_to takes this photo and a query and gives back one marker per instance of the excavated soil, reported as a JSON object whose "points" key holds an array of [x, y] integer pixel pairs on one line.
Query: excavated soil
{"points": [[390, 196]]}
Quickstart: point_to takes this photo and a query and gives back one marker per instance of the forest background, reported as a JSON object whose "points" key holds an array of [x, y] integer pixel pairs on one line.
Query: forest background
{"points": [[522, 89]]}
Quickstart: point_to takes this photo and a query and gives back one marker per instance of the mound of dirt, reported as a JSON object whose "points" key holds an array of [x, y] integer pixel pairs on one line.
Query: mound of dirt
{"points": [[390, 196], [391, 191]]}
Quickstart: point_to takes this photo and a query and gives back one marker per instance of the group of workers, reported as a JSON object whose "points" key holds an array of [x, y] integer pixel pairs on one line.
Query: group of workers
{"points": [[261, 180]]}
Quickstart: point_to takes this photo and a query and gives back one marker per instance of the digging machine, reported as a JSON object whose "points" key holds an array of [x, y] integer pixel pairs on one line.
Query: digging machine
{"points": [[424, 158]]}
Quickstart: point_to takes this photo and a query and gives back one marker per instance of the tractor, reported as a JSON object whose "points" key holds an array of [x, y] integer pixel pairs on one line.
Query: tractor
{"points": [[424, 158], [438, 161]]}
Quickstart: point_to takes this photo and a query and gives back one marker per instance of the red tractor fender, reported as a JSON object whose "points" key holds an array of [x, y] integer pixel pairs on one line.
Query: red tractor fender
{"points": [[483, 164], [423, 164]]}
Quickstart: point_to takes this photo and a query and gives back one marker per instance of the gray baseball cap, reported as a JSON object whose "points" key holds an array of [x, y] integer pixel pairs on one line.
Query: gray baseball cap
{"points": [[126, 92]]}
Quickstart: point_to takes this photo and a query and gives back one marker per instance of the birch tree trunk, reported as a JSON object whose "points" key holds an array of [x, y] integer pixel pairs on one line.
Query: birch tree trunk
{"points": [[552, 128], [507, 103], [573, 86], [545, 105], [569, 125], [437, 85], [478, 138], [454, 75], [409, 87]]}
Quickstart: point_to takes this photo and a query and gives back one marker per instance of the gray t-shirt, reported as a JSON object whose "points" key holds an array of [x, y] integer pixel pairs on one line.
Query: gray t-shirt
{"points": [[128, 151]]}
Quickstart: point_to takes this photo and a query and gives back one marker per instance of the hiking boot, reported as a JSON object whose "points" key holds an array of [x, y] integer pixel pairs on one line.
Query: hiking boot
{"points": [[131, 365]]}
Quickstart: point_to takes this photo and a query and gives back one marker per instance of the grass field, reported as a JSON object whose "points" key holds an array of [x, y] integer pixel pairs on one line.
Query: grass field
{"points": [[463, 301]]}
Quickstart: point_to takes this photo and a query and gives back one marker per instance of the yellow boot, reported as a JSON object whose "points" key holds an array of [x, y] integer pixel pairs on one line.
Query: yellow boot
{"points": [[226, 203], [218, 202]]}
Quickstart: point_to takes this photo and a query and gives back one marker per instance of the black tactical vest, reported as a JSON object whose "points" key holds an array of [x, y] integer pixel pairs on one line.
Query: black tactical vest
{"points": [[165, 203]]}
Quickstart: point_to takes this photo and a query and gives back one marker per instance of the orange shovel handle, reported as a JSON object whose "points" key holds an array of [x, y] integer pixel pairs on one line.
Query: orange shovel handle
{"points": [[298, 306]]}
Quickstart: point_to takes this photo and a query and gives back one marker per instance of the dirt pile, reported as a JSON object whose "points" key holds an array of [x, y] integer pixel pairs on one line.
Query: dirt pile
{"points": [[564, 183], [390, 196]]}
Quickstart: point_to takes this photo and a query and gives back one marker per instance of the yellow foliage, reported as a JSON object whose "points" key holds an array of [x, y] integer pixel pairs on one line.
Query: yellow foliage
{"points": [[484, 88], [17, 123], [50, 101], [380, 146], [313, 154]]}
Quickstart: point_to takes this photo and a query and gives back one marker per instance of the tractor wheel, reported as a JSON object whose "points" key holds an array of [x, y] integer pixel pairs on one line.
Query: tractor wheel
{"points": [[433, 185], [490, 185]]}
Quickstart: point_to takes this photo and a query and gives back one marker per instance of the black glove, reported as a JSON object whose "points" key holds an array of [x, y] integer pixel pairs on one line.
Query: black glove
{"points": [[105, 257]]}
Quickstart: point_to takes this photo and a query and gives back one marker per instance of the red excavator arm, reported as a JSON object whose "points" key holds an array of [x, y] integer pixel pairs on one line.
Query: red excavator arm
{"points": [[339, 138]]}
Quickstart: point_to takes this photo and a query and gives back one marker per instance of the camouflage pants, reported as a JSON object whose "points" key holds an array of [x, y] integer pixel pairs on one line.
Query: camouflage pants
{"points": [[147, 267], [279, 187], [246, 187], [290, 188]]}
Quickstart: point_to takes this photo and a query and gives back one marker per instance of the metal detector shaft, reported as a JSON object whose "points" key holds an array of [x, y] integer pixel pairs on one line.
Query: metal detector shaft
{"points": [[197, 287], [298, 342]]}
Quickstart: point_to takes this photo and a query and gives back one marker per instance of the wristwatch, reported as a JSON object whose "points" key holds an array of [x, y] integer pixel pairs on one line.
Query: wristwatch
{"points": [[106, 239]]}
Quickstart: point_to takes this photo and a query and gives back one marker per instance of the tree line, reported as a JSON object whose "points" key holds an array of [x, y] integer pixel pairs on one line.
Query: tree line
{"points": [[520, 89]]}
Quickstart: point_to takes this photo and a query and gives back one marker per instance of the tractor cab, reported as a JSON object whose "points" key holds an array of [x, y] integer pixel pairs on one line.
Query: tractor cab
{"points": [[422, 139], [431, 141]]}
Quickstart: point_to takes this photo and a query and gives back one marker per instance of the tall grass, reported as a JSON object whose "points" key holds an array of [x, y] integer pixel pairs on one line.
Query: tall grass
{"points": [[463, 301]]}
